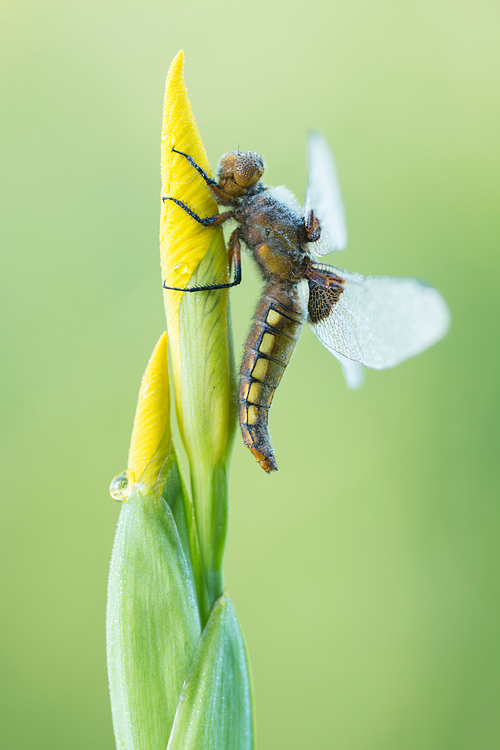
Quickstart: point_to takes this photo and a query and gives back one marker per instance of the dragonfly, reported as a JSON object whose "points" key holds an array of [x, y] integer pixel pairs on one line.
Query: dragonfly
{"points": [[364, 321]]}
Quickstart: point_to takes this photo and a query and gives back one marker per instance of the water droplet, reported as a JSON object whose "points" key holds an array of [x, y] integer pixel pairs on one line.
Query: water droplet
{"points": [[181, 269], [119, 488]]}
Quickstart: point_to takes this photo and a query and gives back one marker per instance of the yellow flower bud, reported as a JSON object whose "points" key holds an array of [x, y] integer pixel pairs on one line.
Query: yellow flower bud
{"points": [[151, 437]]}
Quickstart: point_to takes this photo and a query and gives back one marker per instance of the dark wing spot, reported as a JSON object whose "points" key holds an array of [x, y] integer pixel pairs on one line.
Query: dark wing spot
{"points": [[324, 292]]}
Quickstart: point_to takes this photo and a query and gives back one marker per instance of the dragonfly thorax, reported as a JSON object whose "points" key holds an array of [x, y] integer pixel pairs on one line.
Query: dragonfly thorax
{"points": [[272, 226]]}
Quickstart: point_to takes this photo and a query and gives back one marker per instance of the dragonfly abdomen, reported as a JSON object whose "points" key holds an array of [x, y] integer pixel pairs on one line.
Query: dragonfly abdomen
{"points": [[275, 331]]}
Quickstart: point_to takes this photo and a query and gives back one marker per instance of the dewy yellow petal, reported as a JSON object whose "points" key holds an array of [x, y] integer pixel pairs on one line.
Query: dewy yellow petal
{"points": [[183, 241], [151, 439]]}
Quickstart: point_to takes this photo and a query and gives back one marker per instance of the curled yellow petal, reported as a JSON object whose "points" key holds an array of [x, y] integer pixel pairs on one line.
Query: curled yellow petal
{"points": [[151, 437]]}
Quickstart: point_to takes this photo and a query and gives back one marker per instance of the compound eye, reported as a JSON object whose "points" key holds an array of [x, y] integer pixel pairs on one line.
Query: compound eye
{"points": [[248, 169], [226, 165]]}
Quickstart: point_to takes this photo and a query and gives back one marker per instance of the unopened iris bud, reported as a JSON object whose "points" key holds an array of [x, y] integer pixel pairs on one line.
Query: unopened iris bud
{"points": [[197, 323]]}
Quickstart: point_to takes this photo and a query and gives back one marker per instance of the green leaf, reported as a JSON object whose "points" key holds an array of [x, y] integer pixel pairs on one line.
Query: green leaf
{"points": [[153, 623], [215, 709]]}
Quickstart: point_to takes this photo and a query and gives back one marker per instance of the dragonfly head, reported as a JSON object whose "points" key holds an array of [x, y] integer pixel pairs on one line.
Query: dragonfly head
{"points": [[240, 170]]}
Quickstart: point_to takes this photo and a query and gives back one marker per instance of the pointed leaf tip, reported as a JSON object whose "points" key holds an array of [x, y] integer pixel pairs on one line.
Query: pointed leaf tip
{"points": [[215, 708]]}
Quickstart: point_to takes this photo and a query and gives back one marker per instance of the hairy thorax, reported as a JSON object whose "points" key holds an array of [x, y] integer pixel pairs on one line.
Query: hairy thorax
{"points": [[272, 225]]}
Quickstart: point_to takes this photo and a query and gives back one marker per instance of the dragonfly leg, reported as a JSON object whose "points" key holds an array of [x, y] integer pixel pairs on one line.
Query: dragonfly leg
{"points": [[234, 253], [312, 227], [222, 196], [207, 221]]}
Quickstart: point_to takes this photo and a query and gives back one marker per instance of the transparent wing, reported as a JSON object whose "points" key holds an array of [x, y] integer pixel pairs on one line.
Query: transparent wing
{"points": [[354, 372], [375, 320], [323, 196]]}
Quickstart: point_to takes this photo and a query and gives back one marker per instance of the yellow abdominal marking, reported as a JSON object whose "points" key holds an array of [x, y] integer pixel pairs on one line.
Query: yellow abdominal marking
{"points": [[260, 369], [267, 343], [244, 392], [252, 414], [273, 317], [254, 392]]}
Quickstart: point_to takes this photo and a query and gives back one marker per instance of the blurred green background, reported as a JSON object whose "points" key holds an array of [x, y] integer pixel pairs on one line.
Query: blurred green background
{"points": [[365, 573]]}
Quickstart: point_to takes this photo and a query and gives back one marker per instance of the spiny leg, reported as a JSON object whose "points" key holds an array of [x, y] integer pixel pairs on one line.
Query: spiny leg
{"points": [[208, 221], [212, 184], [234, 252], [199, 169]]}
